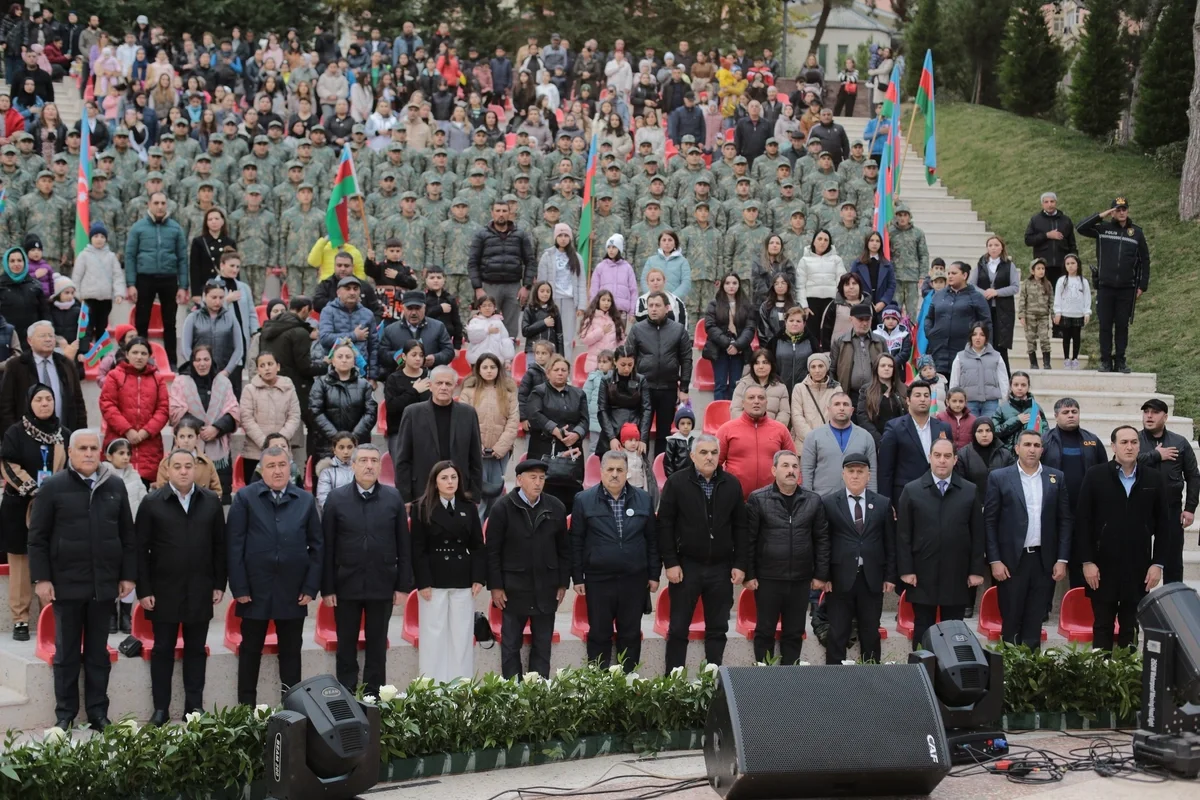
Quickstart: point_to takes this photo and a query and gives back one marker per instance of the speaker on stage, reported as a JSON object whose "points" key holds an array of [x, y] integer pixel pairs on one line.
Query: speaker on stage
{"points": [[821, 731]]}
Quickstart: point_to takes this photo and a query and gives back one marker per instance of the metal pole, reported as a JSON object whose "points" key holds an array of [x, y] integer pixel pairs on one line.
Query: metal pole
{"points": [[783, 48]]}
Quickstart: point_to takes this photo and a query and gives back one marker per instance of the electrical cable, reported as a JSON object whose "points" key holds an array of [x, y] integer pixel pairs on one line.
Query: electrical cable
{"points": [[646, 790], [1037, 765]]}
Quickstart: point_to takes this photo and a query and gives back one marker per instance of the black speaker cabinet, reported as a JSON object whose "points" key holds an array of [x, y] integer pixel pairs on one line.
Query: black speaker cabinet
{"points": [[824, 731]]}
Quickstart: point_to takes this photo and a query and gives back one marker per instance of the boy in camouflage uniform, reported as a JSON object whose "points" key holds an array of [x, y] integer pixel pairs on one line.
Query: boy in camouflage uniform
{"points": [[702, 244], [1035, 307], [253, 228], [910, 256]]}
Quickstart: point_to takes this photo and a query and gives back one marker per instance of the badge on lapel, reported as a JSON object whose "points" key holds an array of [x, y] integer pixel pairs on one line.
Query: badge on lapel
{"points": [[629, 512], [941, 434], [1053, 479]]}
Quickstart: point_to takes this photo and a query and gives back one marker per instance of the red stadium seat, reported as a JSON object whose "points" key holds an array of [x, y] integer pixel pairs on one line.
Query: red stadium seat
{"points": [[716, 414], [510, 141], [387, 470], [239, 479], [233, 633], [702, 376], [660, 472], [747, 616], [412, 620], [701, 337], [261, 310], [519, 366], [662, 617], [155, 328], [591, 471], [1075, 618], [494, 618], [905, 618], [579, 618], [460, 364], [143, 631], [4, 569], [579, 373], [161, 362], [45, 647], [326, 632], [381, 422], [729, 133]]}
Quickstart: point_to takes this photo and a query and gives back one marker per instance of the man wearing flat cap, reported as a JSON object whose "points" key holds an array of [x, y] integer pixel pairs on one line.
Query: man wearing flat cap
{"points": [[1173, 456], [529, 567], [1122, 275]]}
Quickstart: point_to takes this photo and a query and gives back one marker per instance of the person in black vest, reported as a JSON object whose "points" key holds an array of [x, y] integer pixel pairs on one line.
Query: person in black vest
{"points": [[529, 567], [862, 537], [82, 557], [368, 564], [1122, 531], [181, 576], [702, 539], [1070, 448], [999, 279]]}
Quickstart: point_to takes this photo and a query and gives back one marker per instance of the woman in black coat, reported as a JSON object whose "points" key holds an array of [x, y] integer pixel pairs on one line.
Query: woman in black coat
{"points": [[883, 399], [204, 260], [32, 449], [407, 385], [558, 424], [999, 279], [729, 321], [181, 576], [976, 461], [623, 397], [342, 401]]}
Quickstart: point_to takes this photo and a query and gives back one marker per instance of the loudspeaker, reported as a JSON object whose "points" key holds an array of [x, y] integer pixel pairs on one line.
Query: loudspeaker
{"points": [[824, 731]]}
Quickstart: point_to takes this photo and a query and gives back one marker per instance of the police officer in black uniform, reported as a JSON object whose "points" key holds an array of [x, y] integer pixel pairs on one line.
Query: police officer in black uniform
{"points": [[1122, 274]]}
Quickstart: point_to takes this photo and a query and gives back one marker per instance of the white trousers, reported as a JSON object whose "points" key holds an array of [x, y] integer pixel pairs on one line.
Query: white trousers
{"points": [[447, 630]]}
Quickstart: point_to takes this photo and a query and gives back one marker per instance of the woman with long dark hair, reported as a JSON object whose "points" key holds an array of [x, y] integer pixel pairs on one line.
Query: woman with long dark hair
{"points": [[817, 274], [883, 399], [978, 460], [762, 373], [875, 273], [771, 262], [493, 395], [405, 386], [558, 424], [206, 250], [602, 327], [623, 398], [729, 322], [999, 279]]}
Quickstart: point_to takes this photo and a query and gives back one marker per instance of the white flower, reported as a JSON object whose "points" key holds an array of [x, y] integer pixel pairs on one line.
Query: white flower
{"points": [[561, 672], [262, 709], [192, 716], [632, 678], [369, 699], [889, 662], [51, 735], [803, 664], [677, 672], [131, 724], [760, 663], [615, 669], [388, 693], [532, 677], [848, 662], [423, 683], [711, 667], [402, 695]]}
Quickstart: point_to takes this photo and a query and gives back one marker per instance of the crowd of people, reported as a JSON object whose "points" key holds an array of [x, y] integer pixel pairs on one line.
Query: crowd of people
{"points": [[460, 317]]}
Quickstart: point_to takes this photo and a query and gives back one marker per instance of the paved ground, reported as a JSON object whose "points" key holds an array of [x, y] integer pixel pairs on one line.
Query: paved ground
{"points": [[505, 784]]}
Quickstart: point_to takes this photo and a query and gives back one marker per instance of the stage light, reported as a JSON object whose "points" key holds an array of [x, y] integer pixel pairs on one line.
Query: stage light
{"points": [[323, 745], [1169, 720], [1175, 608], [962, 665]]}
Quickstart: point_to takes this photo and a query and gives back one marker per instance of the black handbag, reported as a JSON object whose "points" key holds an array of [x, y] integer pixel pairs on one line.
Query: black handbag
{"points": [[130, 647], [483, 630], [563, 469]]}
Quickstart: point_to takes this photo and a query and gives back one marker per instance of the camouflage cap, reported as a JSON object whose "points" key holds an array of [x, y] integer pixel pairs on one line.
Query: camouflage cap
{"points": [[305, 185], [870, 162], [59, 158], [100, 174], [256, 188], [200, 157], [707, 181], [206, 184], [831, 186], [552, 204], [408, 195], [358, 127], [434, 180], [689, 139], [295, 164], [219, 138], [650, 159], [109, 155], [168, 136], [441, 151], [274, 124], [387, 175], [121, 131], [248, 161], [305, 142], [787, 184], [395, 147], [604, 194], [701, 204], [850, 203], [260, 139], [23, 136], [153, 176], [650, 201], [901, 208], [524, 150], [510, 198], [45, 174], [476, 171], [750, 205], [9, 150], [154, 151], [740, 160], [460, 201], [800, 211]]}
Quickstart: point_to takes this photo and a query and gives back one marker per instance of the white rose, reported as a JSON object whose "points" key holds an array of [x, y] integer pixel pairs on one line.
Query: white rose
{"points": [[131, 724], [560, 672], [369, 699], [388, 693], [677, 672], [632, 678], [616, 669], [52, 735], [803, 664], [711, 667], [532, 677], [262, 709], [192, 716], [848, 662]]}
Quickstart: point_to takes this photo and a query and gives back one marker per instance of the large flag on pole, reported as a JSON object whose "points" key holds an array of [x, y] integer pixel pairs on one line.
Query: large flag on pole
{"points": [[83, 183], [885, 186], [584, 239], [924, 102], [345, 186]]}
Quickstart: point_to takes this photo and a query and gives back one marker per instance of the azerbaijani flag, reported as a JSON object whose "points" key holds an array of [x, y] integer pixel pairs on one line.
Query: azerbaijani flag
{"points": [[83, 185], [84, 318], [345, 186], [924, 102], [885, 187], [103, 346], [584, 239]]}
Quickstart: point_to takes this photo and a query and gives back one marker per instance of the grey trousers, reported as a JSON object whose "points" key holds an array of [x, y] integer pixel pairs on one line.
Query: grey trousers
{"points": [[507, 304]]}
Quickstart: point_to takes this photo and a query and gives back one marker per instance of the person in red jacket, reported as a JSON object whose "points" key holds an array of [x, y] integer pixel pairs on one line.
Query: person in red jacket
{"points": [[958, 417], [14, 123], [134, 406], [749, 442]]}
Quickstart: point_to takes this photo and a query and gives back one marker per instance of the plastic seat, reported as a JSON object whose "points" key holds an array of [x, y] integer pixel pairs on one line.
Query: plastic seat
{"points": [[412, 620], [662, 617], [326, 631], [579, 618], [460, 364], [579, 373], [233, 633], [495, 618], [701, 337], [381, 423], [747, 616], [906, 618], [519, 366], [155, 328], [702, 376], [591, 471], [660, 472], [310, 479], [261, 311], [161, 362], [387, 470], [716, 415], [510, 141], [990, 621], [4, 569], [1075, 617], [143, 631], [239, 473], [44, 647]]}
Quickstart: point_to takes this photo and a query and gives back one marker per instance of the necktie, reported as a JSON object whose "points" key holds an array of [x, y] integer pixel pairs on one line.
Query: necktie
{"points": [[942, 487], [45, 372], [858, 514]]}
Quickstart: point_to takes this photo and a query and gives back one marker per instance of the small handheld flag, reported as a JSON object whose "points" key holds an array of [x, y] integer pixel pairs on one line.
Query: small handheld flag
{"points": [[84, 321], [3, 200], [103, 346], [345, 186]]}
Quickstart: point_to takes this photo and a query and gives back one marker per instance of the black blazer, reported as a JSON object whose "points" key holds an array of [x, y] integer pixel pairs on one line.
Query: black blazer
{"points": [[418, 449], [181, 554], [939, 538], [527, 552], [448, 550], [902, 457], [876, 545], [1006, 519], [366, 549]]}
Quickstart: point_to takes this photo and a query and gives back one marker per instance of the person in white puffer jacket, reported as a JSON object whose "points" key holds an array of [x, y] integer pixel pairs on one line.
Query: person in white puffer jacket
{"points": [[99, 279], [817, 274]]}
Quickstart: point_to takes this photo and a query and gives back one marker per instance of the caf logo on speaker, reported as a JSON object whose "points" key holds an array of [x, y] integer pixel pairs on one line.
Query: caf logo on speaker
{"points": [[929, 740]]}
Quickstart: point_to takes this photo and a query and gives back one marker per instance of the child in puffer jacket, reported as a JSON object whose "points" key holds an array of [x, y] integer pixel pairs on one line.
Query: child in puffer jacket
{"points": [[679, 444], [591, 389], [631, 437], [99, 279], [39, 267], [486, 334], [616, 275], [337, 470]]}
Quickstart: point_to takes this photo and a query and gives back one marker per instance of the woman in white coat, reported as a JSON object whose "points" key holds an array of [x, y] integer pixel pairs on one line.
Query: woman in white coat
{"points": [[881, 75], [817, 274]]}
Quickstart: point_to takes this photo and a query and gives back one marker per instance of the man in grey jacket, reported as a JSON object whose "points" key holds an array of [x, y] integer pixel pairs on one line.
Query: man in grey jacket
{"points": [[826, 446], [663, 352]]}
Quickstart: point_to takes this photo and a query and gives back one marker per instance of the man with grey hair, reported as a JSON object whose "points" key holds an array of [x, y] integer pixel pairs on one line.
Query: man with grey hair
{"points": [[1070, 448], [702, 539], [439, 429], [368, 566], [82, 557], [41, 363], [614, 560], [1051, 234], [752, 132]]}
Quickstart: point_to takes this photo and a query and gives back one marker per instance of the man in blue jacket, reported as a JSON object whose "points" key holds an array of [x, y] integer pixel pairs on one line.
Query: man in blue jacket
{"points": [[347, 318], [686, 120], [156, 264], [614, 560]]}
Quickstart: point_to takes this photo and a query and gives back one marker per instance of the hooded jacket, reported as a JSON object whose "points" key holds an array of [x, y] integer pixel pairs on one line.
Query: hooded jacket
{"points": [[138, 401], [617, 277]]}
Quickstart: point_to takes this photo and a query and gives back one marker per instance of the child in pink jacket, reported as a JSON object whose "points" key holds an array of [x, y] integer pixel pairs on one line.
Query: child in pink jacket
{"points": [[603, 327], [616, 275]]}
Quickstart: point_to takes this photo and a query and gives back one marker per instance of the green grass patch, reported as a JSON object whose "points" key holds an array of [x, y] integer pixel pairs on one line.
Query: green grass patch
{"points": [[1002, 163]]}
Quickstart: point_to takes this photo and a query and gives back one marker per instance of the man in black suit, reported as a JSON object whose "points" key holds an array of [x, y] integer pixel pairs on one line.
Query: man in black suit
{"points": [[1027, 518], [438, 429], [939, 541], [1122, 506], [904, 448], [863, 560]]}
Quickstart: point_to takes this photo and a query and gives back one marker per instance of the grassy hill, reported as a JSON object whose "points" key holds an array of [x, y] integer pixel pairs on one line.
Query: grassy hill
{"points": [[1002, 163]]}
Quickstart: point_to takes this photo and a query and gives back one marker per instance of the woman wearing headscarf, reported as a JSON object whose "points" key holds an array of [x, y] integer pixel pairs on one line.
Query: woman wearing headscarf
{"points": [[22, 300], [976, 461], [32, 449], [206, 394], [134, 406]]}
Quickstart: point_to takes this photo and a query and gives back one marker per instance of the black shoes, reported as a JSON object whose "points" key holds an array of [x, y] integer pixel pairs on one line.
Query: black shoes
{"points": [[1122, 367], [160, 717], [64, 723], [1033, 360], [1106, 365], [1045, 360], [125, 621], [98, 724], [21, 632]]}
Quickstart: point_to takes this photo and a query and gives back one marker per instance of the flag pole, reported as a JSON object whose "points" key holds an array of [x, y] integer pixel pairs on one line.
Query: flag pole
{"points": [[912, 119]]}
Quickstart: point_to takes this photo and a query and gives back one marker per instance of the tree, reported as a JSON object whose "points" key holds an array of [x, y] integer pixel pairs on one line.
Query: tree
{"points": [[218, 16], [924, 34], [1098, 77], [971, 36], [827, 7], [1160, 118], [1189, 185], [1032, 63]]}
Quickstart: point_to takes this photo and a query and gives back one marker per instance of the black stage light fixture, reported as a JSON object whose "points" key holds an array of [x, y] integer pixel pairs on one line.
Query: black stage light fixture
{"points": [[323, 745], [968, 681], [1169, 722]]}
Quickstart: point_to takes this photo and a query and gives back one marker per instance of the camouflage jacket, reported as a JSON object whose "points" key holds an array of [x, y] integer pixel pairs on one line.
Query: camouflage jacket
{"points": [[298, 229], [255, 234]]}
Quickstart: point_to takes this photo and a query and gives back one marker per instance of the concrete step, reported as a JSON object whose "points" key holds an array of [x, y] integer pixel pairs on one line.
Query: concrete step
{"points": [[1093, 403], [941, 227], [1102, 423], [1070, 381], [959, 243]]}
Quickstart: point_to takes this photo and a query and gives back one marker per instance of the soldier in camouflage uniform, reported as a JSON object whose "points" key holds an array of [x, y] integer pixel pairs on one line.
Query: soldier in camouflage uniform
{"points": [[174, 168], [701, 193], [394, 160], [441, 168], [107, 161], [863, 190], [191, 217], [478, 149], [186, 148], [278, 147], [637, 165], [702, 244], [73, 151], [723, 167], [569, 203], [847, 235], [434, 206], [254, 229], [745, 242], [103, 207], [283, 196], [236, 192], [65, 185], [139, 206], [643, 237], [299, 227], [314, 168], [418, 235], [15, 179], [362, 225], [852, 168], [29, 160], [268, 167], [224, 168], [127, 159], [641, 183], [658, 190], [543, 234], [384, 201], [624, 198], [189, 187], [49, 217], [731, 209], [561, 150], [683, 180], [727, 188], [763, 170], [797, 236], [365, 157], [235, 146], [779, 210], [479, 199], [827, 211], [524, 166], [454, 245], [528, 205], [910, 256], [133, 187], [604, 222], [816, 180], [806, 164]]}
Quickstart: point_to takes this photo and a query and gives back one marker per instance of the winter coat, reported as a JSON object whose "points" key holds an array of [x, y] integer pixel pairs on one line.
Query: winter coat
{"points": [[791, 357], [535, 329], [82, 539], [949, 320], [787, 545], [591, 390], [836, 320], [617, 277], [333, 474], [342, 405], [1073, 297], [973, 465], [448, 551], [599, 551], [275, 551], [549, 408], [501, 257], [98, 274], [808, 406], [779, 401], [367, 550], [748, 447], [676, 269], [695, 527], [132, 400], [432, 334], [745, 318], [497, 426], [221, 332], [817, 275], [289, 338], [480, 341], [205, 476], [157, 248], [600, 334], [1122, 255], [1007, 423], [940, 539], [961, 428], [528, 555], [547, 270], [1003, 306], [842, 353], [1053, 251], [268, 409], [623, 400], [20, 373], [181, 555], [22, 303], [981, 374], [338, 322], [663, 352], [399, 393], [885, 291]]}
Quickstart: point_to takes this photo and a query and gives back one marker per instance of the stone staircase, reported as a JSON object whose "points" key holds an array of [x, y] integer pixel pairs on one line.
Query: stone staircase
{"points": [[70, 104]]}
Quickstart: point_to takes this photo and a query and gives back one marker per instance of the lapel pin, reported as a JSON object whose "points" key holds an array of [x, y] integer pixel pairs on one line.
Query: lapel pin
{"points": [[629, 512], [1053, 479], [870, 506]]}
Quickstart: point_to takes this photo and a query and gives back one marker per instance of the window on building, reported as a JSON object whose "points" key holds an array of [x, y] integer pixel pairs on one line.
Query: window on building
{"points": [[843, 52], [822, 55]]}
